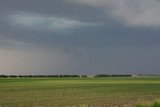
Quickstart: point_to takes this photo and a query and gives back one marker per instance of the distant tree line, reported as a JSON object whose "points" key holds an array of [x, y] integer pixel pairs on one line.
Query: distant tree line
{"points": [[30, 76], [59, 76], [75, 76]]}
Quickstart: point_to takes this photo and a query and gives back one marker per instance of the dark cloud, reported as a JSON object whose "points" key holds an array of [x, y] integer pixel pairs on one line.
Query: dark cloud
{"points": [[82, 37], [61, 8]]}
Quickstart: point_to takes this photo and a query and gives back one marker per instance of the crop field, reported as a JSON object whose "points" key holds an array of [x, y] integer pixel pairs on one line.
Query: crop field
{"points": [[79, 92]]}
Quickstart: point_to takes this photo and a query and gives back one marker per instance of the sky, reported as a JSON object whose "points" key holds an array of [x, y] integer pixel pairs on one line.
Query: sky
{"points": [[44, 37]]}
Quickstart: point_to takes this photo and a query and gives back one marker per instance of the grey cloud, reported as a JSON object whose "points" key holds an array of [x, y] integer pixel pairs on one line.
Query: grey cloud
{"points": [[58, 8], [35, 61], [143, 13], [32, 41], [81, 60], [45, 23]]}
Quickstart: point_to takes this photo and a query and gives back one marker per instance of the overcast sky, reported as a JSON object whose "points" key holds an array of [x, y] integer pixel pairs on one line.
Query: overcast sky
{"points": [[79, 37]]}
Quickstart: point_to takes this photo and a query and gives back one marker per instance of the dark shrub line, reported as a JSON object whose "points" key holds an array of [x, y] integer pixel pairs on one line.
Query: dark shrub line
{"points": [[60, 76]]}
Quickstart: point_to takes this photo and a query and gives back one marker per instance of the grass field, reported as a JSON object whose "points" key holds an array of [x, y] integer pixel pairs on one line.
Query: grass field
{"points": [[78, 92]]}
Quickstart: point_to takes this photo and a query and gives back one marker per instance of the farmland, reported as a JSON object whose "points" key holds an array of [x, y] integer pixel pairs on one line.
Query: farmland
{"points": [[78, 92]]}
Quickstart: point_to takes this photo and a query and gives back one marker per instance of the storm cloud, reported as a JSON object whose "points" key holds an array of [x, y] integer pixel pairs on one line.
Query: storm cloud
{"points": [[79, 36], [142, 13]]}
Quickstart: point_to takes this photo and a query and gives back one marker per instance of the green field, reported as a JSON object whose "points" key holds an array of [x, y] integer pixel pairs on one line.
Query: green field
{"points": [[78, 92]]}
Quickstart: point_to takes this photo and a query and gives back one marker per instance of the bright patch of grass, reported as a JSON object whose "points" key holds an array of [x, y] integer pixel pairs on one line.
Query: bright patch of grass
{"points": [[155, 104]]}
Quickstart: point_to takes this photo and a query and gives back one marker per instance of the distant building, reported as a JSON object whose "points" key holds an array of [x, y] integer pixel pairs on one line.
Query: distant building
{"points": [[90, 76], [135, 75]]}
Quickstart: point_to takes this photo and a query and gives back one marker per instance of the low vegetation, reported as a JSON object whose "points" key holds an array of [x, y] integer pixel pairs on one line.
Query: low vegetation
{"points": [[155, 104], [61, 76], [79, 92]]}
